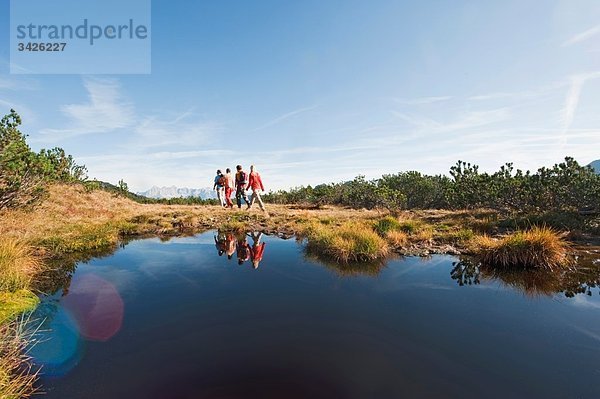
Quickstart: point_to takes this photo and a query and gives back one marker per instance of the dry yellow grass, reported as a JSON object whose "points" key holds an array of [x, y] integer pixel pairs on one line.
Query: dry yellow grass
{"points": [[18, 264], [349, 242], [70, 211], [397, 238], [539, 247], [17, 377]]}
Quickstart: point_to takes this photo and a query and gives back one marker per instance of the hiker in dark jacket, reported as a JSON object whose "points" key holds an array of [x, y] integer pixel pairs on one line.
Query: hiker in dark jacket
{"points": [[243, 249], [241, 183]]}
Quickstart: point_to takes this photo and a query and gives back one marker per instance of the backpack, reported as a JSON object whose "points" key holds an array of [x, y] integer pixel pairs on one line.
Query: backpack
{"points": [[242, 177], [222, 180]]}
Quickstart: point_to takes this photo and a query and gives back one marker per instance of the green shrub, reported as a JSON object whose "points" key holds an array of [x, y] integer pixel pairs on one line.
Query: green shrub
{"points": [[386, 224]]}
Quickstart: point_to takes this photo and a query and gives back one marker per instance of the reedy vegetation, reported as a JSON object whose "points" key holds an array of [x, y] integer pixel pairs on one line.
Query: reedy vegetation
{"points": [[17, 376]]}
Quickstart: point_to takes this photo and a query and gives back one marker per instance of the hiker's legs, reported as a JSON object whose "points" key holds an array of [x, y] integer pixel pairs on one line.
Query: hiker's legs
{"points": [[244, 196], [228, 197], [259, 199], [256, 196], [220, 196], [238, 197]]}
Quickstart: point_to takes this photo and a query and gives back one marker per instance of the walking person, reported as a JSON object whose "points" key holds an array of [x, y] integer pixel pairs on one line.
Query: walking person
{"points": [[243, 249], [221, 243], [230, 244], [241, 182], [257, 250], [229, 186], [256, 184], [219, 187]]}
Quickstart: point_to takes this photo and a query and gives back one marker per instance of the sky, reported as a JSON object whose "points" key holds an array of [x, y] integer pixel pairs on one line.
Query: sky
{"points": [[319, 91]]}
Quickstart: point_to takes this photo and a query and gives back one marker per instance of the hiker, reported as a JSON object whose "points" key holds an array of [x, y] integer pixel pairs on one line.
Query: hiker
{"points": [[230, 244], [256, 184], [219, 187], [229, 186], [241, 182], [257, 250], [243, 249], [221, 243]]}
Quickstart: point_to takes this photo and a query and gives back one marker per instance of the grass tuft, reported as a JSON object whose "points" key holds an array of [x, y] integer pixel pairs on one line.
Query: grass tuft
{"points": [[18, 264], [17, 375], [539, 247], [386, 225], [14, 303], [350, 242], [397, 238]]}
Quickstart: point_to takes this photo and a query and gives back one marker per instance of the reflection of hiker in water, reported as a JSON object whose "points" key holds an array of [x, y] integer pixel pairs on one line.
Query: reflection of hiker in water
{"points": [[243, 249], [230, 244], [257, 250], [221, 243]]}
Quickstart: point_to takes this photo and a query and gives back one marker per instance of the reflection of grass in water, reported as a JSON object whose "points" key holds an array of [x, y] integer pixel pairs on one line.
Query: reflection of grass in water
{"points": [[532, 282], [349, 269], [233, 227]]}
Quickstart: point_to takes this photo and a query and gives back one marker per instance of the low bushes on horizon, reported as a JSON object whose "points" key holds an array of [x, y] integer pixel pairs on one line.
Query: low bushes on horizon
{"points": [[565, 187]]}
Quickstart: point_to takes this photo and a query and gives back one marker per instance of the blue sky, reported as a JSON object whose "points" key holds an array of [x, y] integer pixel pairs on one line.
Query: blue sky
{"points": [[321, 91]]}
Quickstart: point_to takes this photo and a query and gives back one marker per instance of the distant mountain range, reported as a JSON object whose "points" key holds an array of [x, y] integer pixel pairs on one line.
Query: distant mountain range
{"points": [[174, 192], [596, 166]]}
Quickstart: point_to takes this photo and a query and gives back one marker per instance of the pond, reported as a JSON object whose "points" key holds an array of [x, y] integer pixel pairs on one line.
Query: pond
{"points": [[182, 319]]}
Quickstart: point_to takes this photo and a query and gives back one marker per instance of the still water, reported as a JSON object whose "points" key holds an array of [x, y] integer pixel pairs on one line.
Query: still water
{"points": [[179, 319]]}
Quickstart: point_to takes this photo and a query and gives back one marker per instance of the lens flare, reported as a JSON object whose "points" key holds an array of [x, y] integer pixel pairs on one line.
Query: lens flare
{"points": [[96, 306]]}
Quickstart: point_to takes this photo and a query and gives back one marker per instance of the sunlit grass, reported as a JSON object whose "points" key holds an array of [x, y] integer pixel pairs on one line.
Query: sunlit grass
{"points": [[387, 224], [539, 247], [14, 303], [17, 376], [350, 242], [397, 238], [18, 264]]}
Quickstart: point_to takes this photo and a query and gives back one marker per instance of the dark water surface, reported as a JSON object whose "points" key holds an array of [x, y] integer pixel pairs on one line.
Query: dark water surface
{"points": [[175, 320]]}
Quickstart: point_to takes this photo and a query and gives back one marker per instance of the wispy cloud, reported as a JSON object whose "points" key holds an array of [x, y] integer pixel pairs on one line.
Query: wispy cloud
{"points": [[283, 117], [422, 100], [105, 111], [583, 36], [14, 83], [469, 120], [181, 130], [572, 101]]}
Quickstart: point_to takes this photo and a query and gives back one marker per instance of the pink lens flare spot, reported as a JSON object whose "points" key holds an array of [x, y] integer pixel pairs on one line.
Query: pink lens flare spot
{"points": [[96, 306]]}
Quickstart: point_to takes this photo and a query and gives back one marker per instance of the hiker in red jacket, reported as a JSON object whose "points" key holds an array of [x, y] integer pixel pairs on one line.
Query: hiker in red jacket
{"points": [[257, 250], [256, 184]]}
